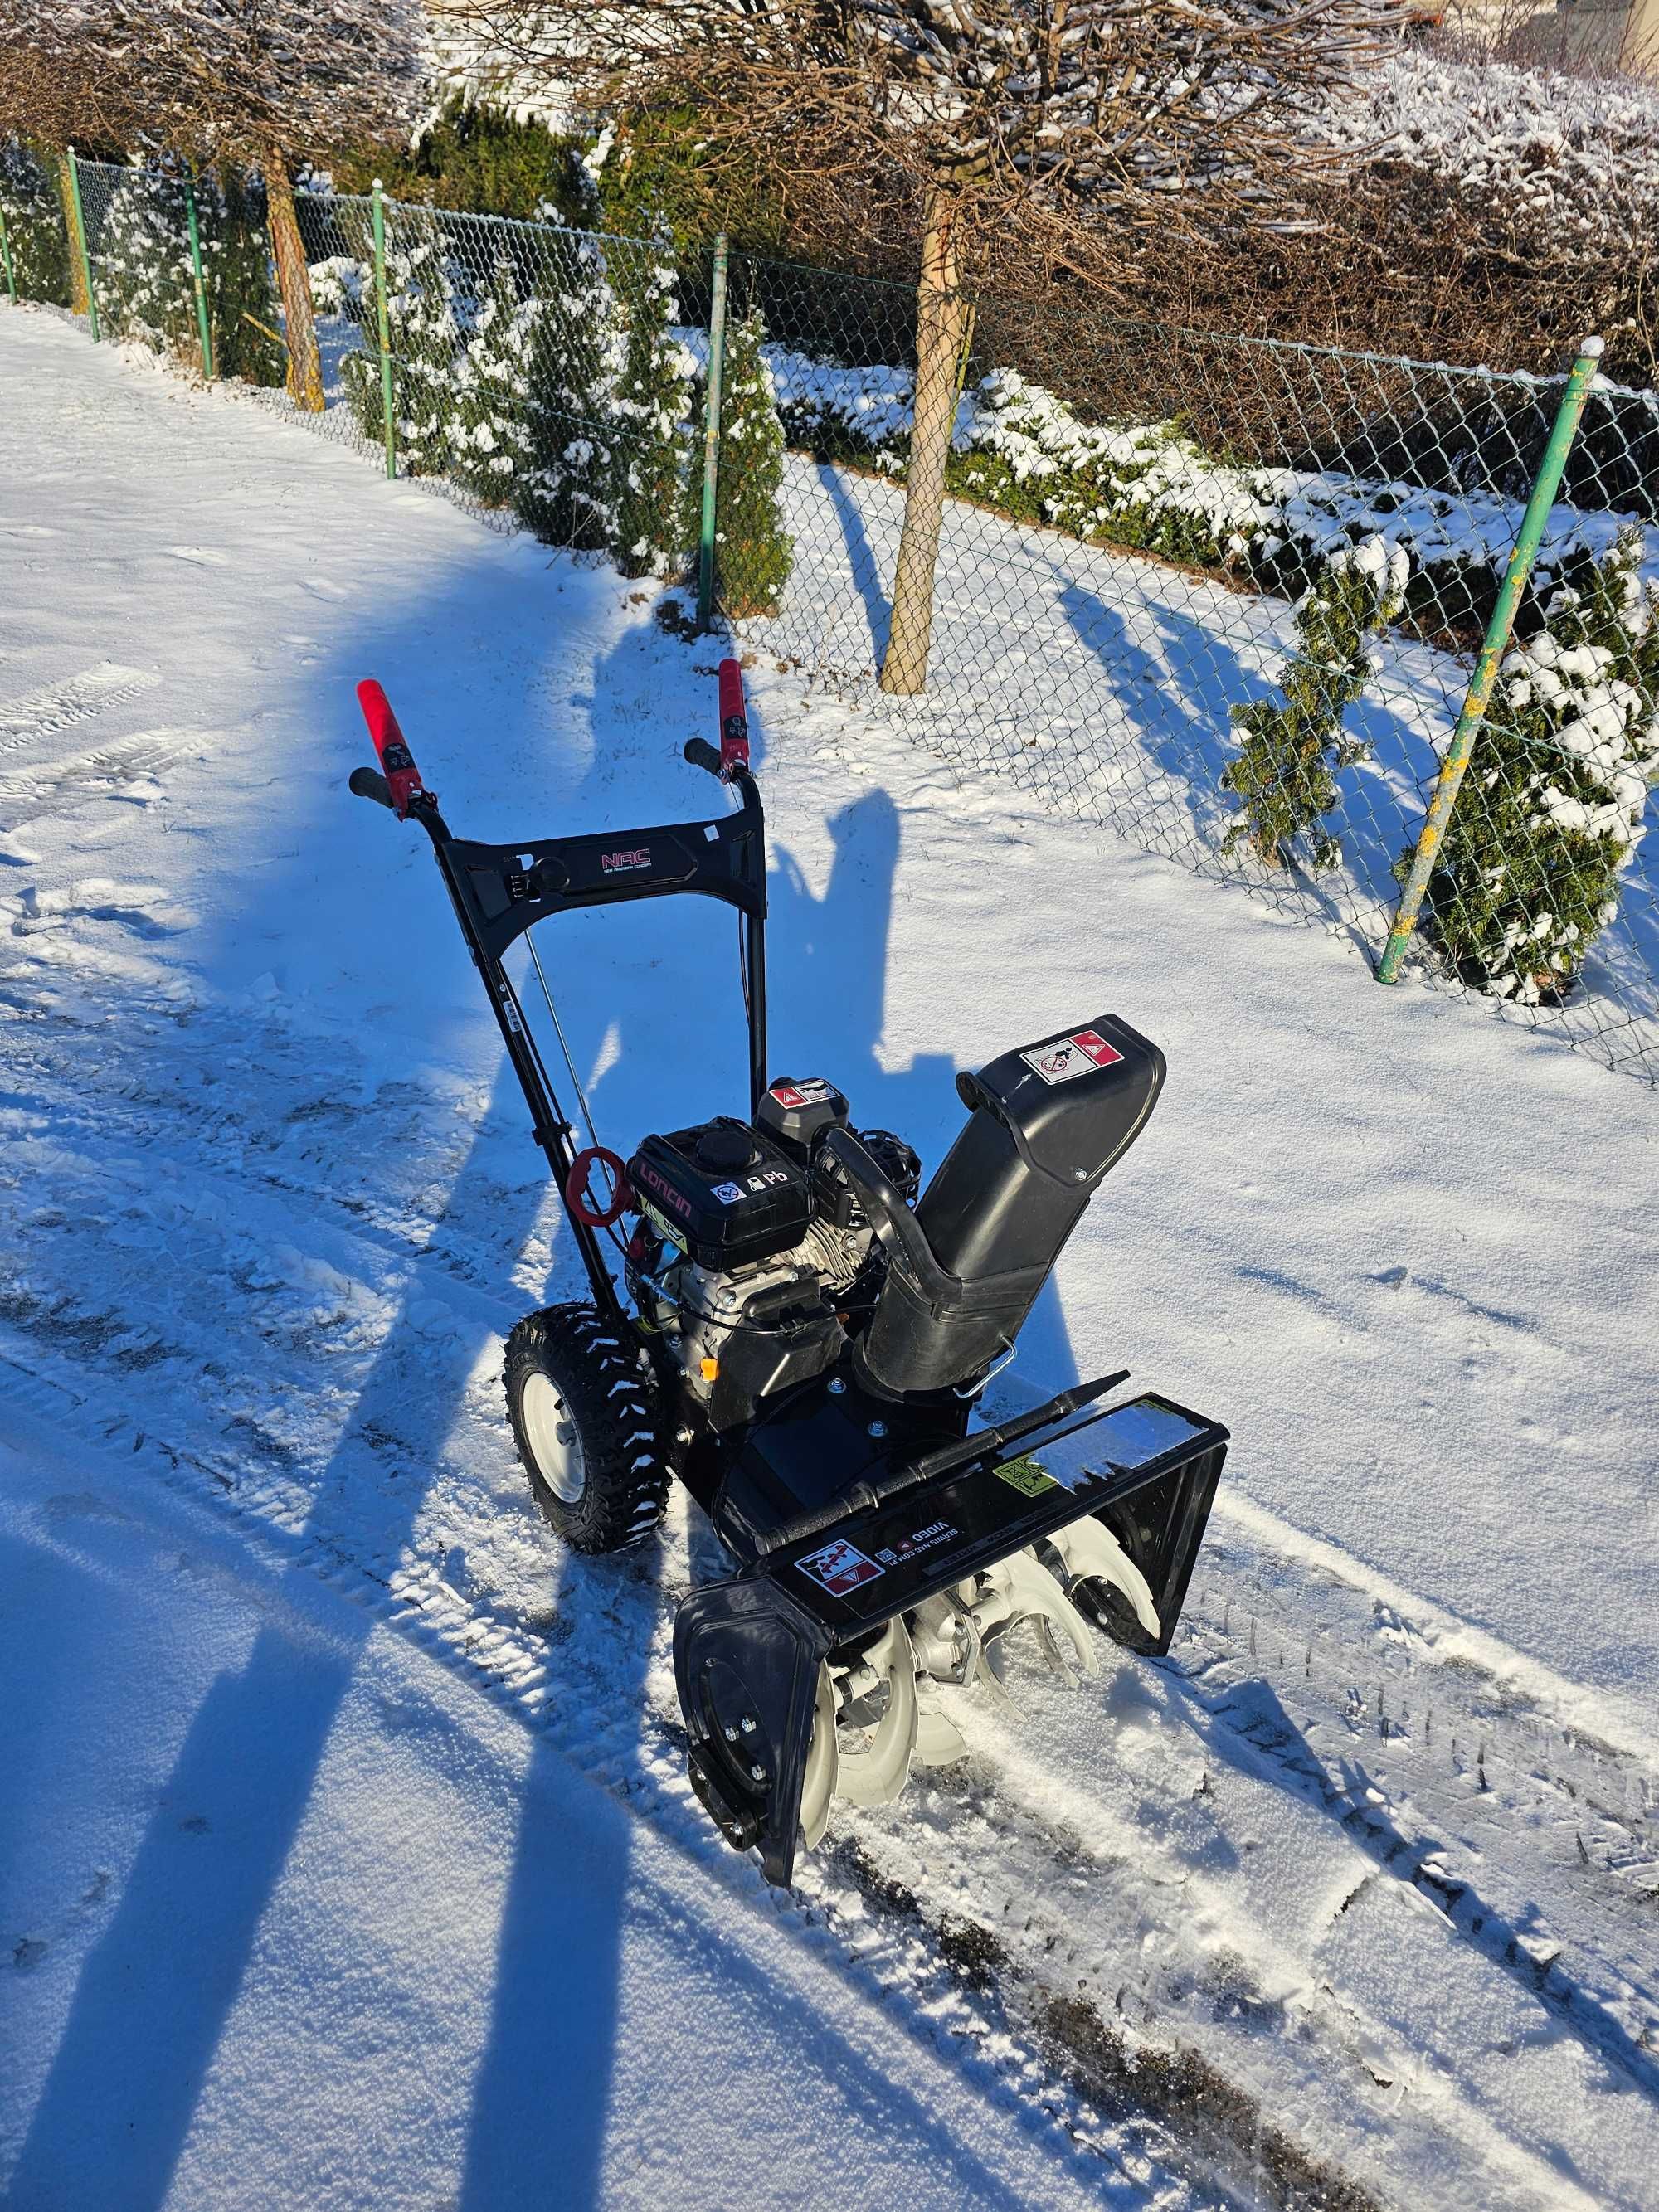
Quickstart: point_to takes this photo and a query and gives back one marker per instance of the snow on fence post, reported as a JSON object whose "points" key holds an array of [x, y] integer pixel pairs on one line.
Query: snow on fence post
{"points": [[384, 324], [711, 438], [1478, 697], [201, 324], [79, 226]]}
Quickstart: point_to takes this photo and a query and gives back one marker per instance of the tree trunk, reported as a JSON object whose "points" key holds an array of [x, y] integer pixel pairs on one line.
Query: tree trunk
{"points": [[941, 326], [77, 268], [305, 368]]}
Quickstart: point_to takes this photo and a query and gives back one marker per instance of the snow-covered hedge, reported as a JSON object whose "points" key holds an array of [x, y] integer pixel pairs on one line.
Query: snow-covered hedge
{"points": [[36, 238], [570, 405], [1151, 485], [1579, 153], [1553, 803], [1292, 747]]}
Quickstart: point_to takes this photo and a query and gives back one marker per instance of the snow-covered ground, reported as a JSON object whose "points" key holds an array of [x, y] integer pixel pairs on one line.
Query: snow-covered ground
{"points": [[346, 1854]]}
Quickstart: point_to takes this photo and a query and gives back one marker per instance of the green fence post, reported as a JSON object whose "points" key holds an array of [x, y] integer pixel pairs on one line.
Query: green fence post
{"points": [[711, 439], [1478, 698], [80, 241], [384, 322], [5, 251], [201, 324]]}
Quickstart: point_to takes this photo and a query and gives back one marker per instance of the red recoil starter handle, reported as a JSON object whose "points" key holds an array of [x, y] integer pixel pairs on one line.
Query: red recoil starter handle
{"points": [[580, 1200], [398, 765]]}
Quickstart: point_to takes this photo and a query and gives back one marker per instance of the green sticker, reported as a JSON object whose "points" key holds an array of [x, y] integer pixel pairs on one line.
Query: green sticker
{"points": [[1027, 1477]]}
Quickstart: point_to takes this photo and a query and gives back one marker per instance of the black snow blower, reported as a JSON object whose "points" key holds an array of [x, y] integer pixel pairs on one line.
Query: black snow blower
{"points": [[801, 1335]]}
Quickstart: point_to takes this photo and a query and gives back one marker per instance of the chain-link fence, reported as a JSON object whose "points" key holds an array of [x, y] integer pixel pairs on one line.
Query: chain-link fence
{"points": [[1224, 596]]}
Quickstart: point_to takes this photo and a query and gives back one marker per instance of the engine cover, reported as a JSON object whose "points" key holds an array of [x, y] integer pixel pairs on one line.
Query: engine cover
{"points": [[726, 1193]]}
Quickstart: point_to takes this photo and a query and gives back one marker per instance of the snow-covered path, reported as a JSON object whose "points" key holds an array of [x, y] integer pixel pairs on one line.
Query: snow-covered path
{"points": [[1356, 1881], [292, 1842]]}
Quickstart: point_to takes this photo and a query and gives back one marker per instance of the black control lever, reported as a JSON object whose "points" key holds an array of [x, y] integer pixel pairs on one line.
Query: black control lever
{"points": [[982, 1444]]}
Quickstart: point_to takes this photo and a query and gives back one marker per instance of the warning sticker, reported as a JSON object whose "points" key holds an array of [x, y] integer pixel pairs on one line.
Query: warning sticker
{"points": [[1027, 1477], [809, 1090], [1070, 1056], [728, 1193], [841, 1567]]}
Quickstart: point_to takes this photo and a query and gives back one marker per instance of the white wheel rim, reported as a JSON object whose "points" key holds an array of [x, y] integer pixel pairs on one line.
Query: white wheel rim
{"points": [[549, 1427]]}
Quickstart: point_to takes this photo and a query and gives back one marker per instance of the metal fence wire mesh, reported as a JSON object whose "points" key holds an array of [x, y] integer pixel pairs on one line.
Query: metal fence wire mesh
{"points": [[1223, 596]]}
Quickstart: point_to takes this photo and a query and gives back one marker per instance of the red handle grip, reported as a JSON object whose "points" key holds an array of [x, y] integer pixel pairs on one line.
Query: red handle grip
{"points": [[397, 762], [734, 717]]}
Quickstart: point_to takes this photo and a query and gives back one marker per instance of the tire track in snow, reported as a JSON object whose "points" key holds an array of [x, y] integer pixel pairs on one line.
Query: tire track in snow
{"points": [[236, 1171], [54, 706], [904, 1968], [111, 772], [277, 1489], [1512, 1753]]}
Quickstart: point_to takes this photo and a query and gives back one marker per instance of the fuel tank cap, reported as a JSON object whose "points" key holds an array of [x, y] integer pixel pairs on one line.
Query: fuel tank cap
{"points": [[725, 1147]]}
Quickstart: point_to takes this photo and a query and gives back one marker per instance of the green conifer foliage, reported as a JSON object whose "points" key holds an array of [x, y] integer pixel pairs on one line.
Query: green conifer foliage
{"points": [[241, 290], [426, 343], [144, 277], [1552, 801], [565, 490], [489, 393], [652, 445], [753, 552], [1285, 774], [35, 233]]}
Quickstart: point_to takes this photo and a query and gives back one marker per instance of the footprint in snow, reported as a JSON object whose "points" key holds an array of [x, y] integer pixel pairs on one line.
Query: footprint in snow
{"points": [[200, 556]]}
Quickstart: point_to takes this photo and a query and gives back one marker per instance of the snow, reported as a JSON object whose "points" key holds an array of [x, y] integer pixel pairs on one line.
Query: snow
{"points": [[313, 1924], [1373, 1848], [1579, 153]]}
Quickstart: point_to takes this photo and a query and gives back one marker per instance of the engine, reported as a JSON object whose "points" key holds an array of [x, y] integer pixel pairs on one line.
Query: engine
{"points": [[753, 1257]]}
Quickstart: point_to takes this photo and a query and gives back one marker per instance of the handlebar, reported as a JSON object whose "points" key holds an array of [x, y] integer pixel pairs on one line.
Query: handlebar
{"points": [[370, 783], [702, 754]]}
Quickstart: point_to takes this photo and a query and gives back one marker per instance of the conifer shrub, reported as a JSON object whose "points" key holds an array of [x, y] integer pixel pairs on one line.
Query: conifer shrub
{"points": [[489, 435], [241, 289], [753, 551], [473, 157], [650, 412], [1285, 772], [426, 339], [145, 277], [36, 235], [1552, 804], [565, 490]]}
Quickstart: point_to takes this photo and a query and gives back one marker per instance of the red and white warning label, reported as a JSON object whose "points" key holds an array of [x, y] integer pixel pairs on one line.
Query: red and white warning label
{"points": [[806, 1091], [1072, 1056], [841, 1567]]}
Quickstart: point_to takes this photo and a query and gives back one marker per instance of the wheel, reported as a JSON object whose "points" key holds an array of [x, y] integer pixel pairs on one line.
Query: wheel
{"points": [[581, 1410]]}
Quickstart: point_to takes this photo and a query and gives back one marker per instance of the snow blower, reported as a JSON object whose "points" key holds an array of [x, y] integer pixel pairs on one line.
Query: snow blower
{"points": [[801, 1335]]}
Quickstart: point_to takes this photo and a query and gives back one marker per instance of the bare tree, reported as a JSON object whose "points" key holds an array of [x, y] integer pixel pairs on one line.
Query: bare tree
{"points": [[1056, 119], [258, 80]]}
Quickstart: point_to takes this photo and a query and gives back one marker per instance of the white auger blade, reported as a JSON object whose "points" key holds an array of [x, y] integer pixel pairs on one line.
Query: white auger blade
{"points": [[818, 1784], [939, 1741], [876, 1775], [1020, 1587], [1091, 1553]]}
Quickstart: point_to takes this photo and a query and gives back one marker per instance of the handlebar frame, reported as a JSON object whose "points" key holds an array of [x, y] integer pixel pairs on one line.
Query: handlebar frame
{"points": [[501, 891]]}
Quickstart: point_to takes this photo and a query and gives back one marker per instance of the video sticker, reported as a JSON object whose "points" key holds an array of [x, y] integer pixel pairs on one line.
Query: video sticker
{"points": [[839, 1567], [1070, 1056]]}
